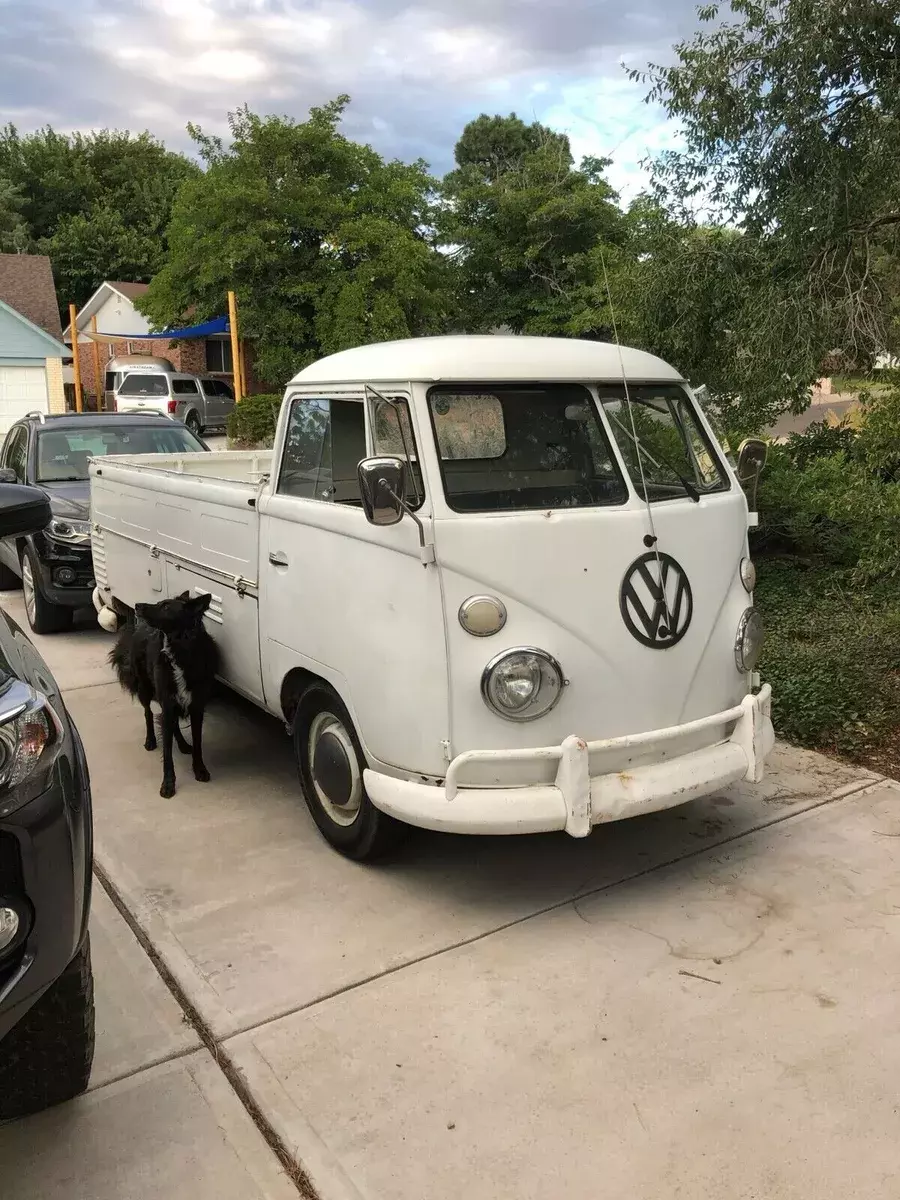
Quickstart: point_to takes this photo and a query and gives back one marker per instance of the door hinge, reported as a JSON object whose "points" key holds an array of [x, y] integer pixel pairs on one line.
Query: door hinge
{"points": [[445, 746]]}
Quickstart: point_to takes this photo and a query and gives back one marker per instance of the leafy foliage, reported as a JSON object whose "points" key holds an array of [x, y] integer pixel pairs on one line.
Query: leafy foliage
{"points": [[252, 422], [831, 655], [705, 298], [14, 238], [790, 116], [97, 203], [528, 231], [327, 245]]}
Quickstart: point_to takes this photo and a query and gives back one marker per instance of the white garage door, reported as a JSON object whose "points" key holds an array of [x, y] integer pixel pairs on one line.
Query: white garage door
{"points": [[22, 390]]}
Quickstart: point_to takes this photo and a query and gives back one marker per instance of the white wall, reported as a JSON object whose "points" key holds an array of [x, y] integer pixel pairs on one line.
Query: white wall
{"points": [[118, 315]]}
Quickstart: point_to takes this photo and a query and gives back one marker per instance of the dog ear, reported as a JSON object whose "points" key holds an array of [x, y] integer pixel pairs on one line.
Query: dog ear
{"points": [[183, 596], [146, 612], [200, 604]]}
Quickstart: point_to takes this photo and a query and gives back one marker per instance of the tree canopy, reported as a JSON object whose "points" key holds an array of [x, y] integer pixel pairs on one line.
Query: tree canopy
{"points": [[527, 230], [327, 244], [790, 116], [97, 203]]}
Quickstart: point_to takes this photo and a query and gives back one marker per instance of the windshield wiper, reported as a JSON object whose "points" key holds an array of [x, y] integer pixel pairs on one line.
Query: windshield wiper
{"points": [[689, 488]]}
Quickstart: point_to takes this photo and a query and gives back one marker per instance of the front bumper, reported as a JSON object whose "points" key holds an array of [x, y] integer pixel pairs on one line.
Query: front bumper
{"points": [[47, 853], [577, 800], [53, 555]]}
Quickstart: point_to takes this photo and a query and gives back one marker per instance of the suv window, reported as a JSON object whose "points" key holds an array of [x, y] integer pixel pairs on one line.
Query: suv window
{"points": [[184, 387], [16, 451], [212, 387], [144, 385], [326, 440], [225, 390]]}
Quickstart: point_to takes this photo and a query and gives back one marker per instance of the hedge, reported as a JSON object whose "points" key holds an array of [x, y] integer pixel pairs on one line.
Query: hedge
{"points": [[252, 422]]}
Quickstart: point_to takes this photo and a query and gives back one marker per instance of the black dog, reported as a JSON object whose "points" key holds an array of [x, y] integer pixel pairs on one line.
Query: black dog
{"points": [[165, 654]]}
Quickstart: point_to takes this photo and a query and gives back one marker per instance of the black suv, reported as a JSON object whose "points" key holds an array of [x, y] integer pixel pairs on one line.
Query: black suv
{"points": [[52, 453], [46, 989]]}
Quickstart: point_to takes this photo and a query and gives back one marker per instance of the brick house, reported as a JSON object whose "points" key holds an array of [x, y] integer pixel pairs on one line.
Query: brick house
{"points": [[31, 349], [112, 306]]}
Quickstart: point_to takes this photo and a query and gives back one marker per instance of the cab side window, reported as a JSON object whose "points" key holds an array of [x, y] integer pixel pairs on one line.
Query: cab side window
{"points": [[326, 440], [15, 452]]}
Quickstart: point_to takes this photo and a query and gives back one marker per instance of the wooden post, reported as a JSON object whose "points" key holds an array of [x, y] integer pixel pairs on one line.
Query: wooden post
{"points": [[235, 347], [243, 370], [76, 361], [99, 389]]}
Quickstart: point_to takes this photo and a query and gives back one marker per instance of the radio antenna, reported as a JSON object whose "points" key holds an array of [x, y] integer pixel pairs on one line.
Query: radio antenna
{"points": [[639, 453]]}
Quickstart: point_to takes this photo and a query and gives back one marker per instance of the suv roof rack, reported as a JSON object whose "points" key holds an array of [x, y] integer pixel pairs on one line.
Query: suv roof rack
{"points": [[35, 413]]}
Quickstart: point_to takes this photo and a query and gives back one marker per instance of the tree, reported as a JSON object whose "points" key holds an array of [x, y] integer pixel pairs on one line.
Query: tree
{"points": [[790, 117], [527, 230], [14, 238], [97, 203], [701, 297], [326, 244]]}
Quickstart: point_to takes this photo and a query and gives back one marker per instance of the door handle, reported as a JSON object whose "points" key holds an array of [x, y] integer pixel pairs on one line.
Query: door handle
{"points": [[278, 559]]}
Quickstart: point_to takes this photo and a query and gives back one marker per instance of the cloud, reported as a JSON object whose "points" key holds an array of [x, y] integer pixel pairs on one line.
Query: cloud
{"points": [[416, 72]]}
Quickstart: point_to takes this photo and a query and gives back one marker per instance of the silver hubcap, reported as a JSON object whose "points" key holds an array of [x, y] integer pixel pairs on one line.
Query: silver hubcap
{"points": [[326, 727], [28, 589]]}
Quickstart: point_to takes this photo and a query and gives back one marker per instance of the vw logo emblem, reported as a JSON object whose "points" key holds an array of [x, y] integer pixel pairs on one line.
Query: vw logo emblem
{"points": [[656, 601]]}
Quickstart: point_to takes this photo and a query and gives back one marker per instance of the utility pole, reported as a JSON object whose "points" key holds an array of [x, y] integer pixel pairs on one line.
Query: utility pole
{"points": [[235, 347], [76, 361], [98, 387]]}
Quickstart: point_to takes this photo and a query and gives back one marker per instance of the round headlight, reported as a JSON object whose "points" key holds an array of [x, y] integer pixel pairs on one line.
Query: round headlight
{"points": [[522, 684], [748, 574], [749, 640]]}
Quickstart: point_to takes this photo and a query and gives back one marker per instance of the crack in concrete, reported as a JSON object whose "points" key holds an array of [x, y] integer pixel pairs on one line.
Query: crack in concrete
{"points": [[234, 1078]]}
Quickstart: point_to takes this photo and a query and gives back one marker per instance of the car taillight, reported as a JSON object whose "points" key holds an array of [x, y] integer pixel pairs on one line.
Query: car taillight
{"points": [[172, 406]]}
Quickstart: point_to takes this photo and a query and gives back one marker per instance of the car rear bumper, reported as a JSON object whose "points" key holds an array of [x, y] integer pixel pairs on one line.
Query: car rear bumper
{"points": [[578, 800]]}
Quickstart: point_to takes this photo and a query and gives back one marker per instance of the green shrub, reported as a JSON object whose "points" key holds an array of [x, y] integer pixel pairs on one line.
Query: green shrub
{"points": [[252, 422], [832, 655]]}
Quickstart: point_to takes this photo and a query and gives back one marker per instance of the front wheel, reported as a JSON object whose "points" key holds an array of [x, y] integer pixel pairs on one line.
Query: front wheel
{"points": [[47, 1057], [330, 764], [43, 615]]}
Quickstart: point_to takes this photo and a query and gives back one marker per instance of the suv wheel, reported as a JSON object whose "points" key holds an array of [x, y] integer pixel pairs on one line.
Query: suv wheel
{"points": [[47, 1057], [330, 763], [193, 424], [43, 615]]}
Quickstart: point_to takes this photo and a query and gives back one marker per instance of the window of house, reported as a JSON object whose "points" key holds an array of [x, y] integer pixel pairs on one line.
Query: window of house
{"points": [[218, 355], [326, 440]]}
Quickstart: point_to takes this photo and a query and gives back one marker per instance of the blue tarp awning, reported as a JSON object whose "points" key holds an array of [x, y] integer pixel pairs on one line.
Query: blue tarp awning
{"points": [[207, 329]]}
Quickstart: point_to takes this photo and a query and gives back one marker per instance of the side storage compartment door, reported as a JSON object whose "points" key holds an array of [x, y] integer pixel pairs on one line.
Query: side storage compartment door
{"points": [[350, 602]]}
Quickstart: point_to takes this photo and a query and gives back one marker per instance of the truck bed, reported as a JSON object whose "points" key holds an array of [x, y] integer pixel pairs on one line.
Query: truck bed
{"points": [[165, 524]]}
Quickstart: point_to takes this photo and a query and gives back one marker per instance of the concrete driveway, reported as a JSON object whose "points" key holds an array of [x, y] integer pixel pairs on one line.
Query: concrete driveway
{"points": [[698, 1003]]}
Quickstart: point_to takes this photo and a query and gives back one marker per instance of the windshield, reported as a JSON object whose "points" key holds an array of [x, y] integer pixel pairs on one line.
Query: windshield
{"points": [[63, 454], [511, 447], [673, 453], [144, 385]]}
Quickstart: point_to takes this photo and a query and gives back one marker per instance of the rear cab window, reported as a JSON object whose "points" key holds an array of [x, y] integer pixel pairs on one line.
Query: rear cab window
{"points": [[144, 385], [184, 387]]}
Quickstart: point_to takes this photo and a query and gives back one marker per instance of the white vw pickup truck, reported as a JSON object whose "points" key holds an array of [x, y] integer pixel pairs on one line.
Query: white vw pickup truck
{"points": [[491, 585]]}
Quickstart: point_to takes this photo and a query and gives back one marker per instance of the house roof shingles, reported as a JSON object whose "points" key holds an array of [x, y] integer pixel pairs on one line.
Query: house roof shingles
{"points": [[26, 284], [130, 290]]}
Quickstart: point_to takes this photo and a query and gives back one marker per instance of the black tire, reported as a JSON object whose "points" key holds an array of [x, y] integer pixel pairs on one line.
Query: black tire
{"points": [[46, 1058], [193, 424], [365, 833], [43, 615], [9, 580]]}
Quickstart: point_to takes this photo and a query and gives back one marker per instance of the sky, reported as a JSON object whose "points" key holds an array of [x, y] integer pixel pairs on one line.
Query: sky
{"points": [[415, 72]]}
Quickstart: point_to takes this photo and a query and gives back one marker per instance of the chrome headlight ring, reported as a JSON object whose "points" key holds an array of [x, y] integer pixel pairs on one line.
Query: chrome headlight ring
{"points": [[522, 684]]}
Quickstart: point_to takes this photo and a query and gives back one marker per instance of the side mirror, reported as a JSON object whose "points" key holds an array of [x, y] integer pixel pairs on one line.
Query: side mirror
{"points": [[382, 486], [8, 475], [22, 510], [750, 462]]}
